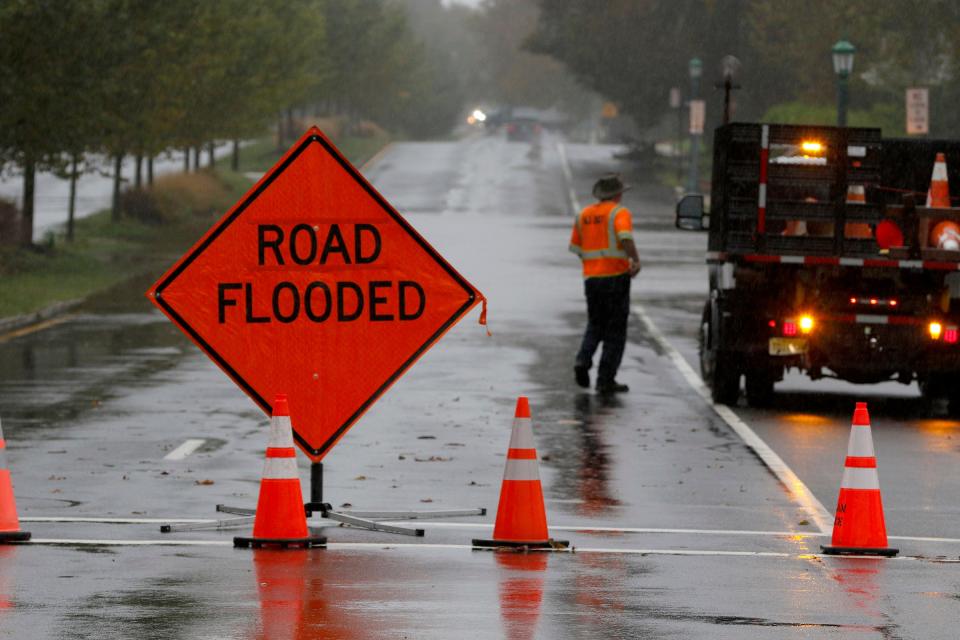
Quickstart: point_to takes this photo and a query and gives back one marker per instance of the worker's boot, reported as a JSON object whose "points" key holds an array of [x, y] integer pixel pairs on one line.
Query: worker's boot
{"points": [[611, 386], [582, 375]]}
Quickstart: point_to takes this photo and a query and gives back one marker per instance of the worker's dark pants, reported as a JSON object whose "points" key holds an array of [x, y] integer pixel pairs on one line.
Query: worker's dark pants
{"points": [[608, 307]]}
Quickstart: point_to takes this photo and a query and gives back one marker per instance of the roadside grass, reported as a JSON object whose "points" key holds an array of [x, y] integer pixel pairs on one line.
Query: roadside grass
{"points": [[262, 154], [105, 253]]}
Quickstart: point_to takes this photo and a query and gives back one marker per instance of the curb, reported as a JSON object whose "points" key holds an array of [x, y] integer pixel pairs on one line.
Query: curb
{"points": [[12, 323]]}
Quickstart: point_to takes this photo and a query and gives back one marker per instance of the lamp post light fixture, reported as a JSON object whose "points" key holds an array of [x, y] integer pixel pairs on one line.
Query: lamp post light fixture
{"points": [[843, 53], [696, 70]]}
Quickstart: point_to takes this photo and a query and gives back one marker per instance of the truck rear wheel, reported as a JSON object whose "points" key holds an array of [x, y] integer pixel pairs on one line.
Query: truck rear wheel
{"points": [[943, 386], [716, 367]]}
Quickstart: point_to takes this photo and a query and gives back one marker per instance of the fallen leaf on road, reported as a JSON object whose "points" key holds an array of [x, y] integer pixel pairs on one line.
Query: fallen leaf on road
{"points": [[426, 437], [203, 482], [434, 459], [360, 478], [427, 500]]}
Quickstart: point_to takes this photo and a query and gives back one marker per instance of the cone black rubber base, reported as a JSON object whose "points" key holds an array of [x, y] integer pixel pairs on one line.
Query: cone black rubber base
{"points": [[545, 545], [859, 551], [7, 537], [282, 543]]}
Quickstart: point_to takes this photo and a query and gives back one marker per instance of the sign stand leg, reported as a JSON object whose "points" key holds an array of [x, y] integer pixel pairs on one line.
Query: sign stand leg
{"points": [[362, 520], [316, 486], [358, 519]]}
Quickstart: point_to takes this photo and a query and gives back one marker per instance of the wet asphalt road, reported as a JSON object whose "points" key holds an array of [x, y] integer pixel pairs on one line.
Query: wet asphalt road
{"points": [[680, 531]]}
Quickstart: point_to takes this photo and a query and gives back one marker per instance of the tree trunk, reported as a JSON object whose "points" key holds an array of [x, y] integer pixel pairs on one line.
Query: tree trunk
{"points": [[138, 176], [291, 133], [211, 154], [72, 204], [280, 136], [196, 158], [117, 177], [186, 159], [235, 157], [150, 171], [26, 214]]}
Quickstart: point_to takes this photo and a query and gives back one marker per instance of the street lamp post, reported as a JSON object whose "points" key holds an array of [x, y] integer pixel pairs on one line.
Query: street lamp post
{"points": [[696, 70], [729, 67], [842, 65]]}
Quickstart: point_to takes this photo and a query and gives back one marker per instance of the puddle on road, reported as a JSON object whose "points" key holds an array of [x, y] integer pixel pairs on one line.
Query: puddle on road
{"points": [[56, 375]]}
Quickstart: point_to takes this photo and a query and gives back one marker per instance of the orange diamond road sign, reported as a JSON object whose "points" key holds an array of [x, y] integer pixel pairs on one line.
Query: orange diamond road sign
{"points": [[314, 286]]}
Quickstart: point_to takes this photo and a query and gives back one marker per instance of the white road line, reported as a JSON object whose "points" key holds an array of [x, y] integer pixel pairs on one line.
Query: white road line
{"points": [[172, 542], [438, 524], [185, 449], [380, 546], [108, 520], [427, 524], [568, 178], [800, 492]]}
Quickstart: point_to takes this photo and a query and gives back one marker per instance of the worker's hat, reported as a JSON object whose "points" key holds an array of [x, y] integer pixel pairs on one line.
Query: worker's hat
{"points": [[609, 186]]}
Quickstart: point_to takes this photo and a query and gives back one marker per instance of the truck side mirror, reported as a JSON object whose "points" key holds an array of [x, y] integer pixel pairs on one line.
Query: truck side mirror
{"points": [[690, 215]]}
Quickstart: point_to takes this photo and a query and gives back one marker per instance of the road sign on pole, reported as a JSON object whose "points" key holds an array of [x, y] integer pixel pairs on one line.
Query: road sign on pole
{"points": [[698, 113], [674, 97], [314, 286], [918, 111]]}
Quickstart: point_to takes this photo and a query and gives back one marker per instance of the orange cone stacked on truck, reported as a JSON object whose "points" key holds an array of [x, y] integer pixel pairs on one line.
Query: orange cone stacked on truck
{"points": [[281, 520], [521, 516], [9, 522], [858, 527], [938, 196], [945, 234], [857, 195]]}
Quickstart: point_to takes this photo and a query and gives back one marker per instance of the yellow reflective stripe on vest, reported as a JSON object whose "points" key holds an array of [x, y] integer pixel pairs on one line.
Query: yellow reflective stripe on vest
{"points": [[613, 249]]}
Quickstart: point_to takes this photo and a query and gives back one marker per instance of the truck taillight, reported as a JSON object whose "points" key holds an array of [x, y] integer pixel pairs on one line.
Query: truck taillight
{"points": [[789, 328], [950, 335]]}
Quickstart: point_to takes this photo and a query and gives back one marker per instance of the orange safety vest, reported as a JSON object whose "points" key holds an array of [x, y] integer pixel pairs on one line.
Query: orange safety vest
{"points": [[596, 239]]}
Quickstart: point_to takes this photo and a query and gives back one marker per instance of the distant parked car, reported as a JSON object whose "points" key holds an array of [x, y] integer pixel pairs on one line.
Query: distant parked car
{"points": [[523, 130]]}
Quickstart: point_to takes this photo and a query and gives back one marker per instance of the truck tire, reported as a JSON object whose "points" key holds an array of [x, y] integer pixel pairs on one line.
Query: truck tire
{"points": [[937, 388], [716, 367], [759, 389]]}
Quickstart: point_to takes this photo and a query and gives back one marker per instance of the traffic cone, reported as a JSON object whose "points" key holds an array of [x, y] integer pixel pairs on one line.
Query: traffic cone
{"points": [[858, 527], [521, 516], [857, 195], [280, 518], [938, 196], [9, 523]]}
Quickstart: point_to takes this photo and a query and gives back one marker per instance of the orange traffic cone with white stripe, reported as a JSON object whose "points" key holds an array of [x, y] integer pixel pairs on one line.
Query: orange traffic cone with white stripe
{"points": [[521, 516], [857, 195], [9, 523], [938, 196], [858, 528], [280, 520], [945, 234]]}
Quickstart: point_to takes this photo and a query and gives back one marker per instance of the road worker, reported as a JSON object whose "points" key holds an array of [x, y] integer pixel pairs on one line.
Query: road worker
{"points": [[603, 238]]}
